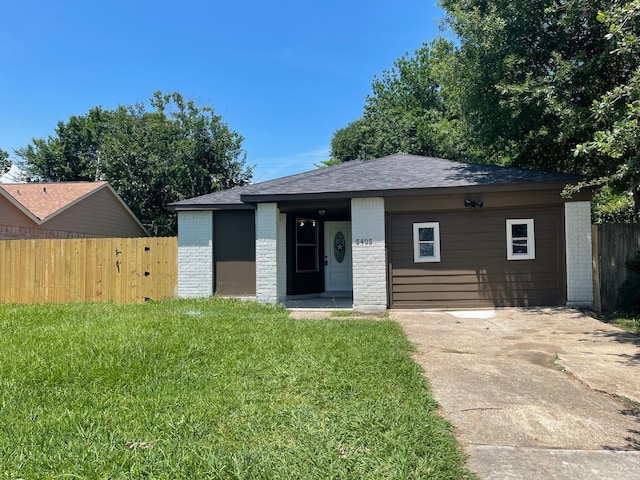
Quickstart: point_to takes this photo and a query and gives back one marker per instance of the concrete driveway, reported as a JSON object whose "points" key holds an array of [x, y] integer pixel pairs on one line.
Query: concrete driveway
{"points": [[534, 393]]}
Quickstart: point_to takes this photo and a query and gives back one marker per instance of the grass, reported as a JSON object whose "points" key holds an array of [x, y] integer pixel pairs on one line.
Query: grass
{"points": [[212, 389], [626, 321]]}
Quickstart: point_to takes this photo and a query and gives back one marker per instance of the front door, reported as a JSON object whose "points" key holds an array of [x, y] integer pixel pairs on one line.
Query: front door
{"points": [[338, 274]]}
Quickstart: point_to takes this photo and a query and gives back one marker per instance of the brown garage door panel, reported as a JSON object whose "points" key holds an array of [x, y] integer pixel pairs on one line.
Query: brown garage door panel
{"points": [[474, 270]]}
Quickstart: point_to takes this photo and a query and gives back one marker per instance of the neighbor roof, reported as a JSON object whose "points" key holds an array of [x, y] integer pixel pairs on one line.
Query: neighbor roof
{"points": [[45, 199], [398, 174]]}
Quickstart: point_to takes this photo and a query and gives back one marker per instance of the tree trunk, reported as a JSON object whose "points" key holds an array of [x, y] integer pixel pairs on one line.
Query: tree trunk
{"points": [[636, 204]]}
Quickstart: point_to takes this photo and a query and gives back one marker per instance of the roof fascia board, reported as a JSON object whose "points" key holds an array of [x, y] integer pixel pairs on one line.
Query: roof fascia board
{"points": [[212, 206]]}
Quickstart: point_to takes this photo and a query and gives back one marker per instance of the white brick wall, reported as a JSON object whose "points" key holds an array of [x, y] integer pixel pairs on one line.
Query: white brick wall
{"points": [[195, 254], [577, 224], [267, 258], [369, 254]]}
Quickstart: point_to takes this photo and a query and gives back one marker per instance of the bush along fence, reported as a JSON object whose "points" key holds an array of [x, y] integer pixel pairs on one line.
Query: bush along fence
{"points": [[122, 270], [614, 246]]}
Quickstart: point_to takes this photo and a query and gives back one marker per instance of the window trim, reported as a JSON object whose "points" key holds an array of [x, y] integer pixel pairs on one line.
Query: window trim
{"points": [[436, 242], [531, 239]]}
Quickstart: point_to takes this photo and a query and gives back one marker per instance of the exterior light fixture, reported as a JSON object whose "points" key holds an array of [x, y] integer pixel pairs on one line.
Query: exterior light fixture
{"points": [[473, 203]]}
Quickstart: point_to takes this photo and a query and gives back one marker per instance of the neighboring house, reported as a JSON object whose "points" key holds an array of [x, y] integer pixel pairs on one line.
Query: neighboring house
{"points": [[65, 210], [401, 231]]}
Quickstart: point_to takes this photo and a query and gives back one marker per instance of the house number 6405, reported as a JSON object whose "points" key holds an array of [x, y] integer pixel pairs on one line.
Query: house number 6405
{"points": [[364, 241]]}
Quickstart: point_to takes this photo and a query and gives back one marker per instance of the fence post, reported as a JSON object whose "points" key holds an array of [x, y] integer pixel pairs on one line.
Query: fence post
{"points": [[595, 236]]}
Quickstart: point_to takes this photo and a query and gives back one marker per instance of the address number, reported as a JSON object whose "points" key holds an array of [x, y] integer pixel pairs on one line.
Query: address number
{"points": [[364, 241]]}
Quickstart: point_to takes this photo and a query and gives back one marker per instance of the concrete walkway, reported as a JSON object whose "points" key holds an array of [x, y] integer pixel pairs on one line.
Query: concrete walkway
{"points": [[534, 393]]}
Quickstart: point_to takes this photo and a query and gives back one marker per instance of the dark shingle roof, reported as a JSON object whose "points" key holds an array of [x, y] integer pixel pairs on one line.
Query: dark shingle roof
{"points": [[391, 175]]}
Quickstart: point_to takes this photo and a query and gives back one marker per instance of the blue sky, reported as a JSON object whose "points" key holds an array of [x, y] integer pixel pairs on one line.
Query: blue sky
{"points": [[283, 74]]}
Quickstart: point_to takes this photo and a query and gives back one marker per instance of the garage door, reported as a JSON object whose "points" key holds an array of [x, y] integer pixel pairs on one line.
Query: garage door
{"points": [[473, 269]]}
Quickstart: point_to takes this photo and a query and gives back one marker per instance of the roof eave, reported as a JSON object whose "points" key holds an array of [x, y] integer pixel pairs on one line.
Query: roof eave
{"points": [[209, 206], [479, 188]]}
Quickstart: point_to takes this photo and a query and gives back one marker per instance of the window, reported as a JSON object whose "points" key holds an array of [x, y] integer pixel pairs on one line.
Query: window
{"points": [[520, 240], [426, 242], [306, 245]]}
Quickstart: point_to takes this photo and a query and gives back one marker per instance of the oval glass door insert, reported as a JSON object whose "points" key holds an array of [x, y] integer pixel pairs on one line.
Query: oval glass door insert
{"points": [[339, 247]]}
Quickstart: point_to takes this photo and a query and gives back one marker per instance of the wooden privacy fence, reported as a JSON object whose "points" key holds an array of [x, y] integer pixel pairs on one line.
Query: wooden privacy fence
{"points": [[123, 270], [613, 245]]}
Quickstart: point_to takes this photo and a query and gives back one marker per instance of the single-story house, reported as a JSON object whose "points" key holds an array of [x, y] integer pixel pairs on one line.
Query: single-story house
{"points": [[402, 231], [65, 210]]}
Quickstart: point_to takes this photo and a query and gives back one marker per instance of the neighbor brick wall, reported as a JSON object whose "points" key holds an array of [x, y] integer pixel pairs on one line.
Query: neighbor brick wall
{"points": [[267, 258], [369, 254], [195, 254], [577, 218]]}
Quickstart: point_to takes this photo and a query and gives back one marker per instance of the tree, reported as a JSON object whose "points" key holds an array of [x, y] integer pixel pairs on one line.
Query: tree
{"points": [[617, 111], [526, 73], [5, 163], [151, 158], [405, 112]]}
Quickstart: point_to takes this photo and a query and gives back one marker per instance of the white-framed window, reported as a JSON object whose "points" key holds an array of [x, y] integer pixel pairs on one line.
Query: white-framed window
{"points": [[521, 244], [426, 242]]}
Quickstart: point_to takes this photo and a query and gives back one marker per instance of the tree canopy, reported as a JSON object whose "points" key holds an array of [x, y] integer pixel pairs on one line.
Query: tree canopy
{"points": [[151, 158], [526, 75], [405, 112], [516, 88], [617, 111], [5, 164]]}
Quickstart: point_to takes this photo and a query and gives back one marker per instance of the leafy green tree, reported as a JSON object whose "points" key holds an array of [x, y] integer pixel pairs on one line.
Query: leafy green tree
{"points": [[351, 142], [5, 163], [151, 158], [526, 73], [405, 112], [617, 111]]}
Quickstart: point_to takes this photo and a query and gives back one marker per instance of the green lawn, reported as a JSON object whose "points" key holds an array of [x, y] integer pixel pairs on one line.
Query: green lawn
{"points": [[627, 321], [212, 389]]}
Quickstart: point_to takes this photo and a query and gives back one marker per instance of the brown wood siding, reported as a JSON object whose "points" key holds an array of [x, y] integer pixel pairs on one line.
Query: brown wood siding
{"points": [[491, 200], [474, 270], [234, 257], [100, 214]]}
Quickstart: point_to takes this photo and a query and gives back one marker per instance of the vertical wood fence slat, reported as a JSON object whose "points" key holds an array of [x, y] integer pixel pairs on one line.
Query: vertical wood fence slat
{"points": [[122, 270]]}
